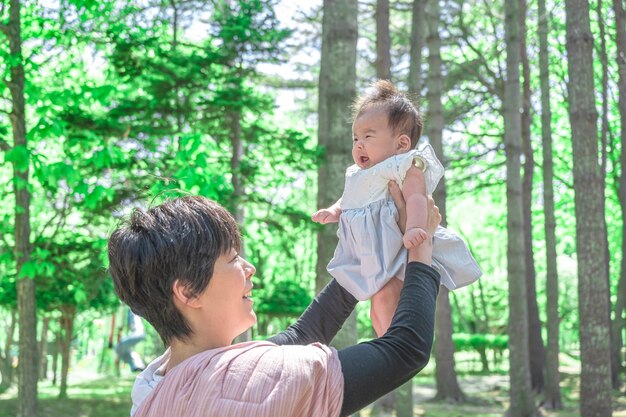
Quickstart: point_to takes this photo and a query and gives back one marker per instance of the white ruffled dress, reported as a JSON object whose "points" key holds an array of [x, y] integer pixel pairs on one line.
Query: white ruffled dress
{"points": [[370, 250]]}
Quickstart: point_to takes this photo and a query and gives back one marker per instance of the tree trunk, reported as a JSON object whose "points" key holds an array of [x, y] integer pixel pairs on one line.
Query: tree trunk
{"points": [[404, 394], [480, 327], [337, 89], [384, 406], [43, 348], [615, 365], [417, 44], [68, 312], [404, 400], [552, 391], [6, 362], [482, 323], [604, 129], [55, 357], [448, 388], [520, 391], [383, 41], [27, 370], [536, 350], [593, 291], [618, 324]]}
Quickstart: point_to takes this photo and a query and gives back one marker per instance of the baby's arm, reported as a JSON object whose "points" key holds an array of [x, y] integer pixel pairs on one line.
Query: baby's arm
{"points": [[328, 215], [414, 193]]}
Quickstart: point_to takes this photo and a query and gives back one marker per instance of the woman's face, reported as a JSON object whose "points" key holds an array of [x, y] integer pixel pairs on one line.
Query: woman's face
{"points": [[227, 299]]}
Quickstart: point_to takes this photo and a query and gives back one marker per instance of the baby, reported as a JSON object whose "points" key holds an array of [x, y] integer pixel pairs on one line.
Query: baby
{"points": [[370, 257]]}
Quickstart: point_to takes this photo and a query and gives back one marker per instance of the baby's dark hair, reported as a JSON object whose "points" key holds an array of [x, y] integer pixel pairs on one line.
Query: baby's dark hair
{"points": [[404, 118]]}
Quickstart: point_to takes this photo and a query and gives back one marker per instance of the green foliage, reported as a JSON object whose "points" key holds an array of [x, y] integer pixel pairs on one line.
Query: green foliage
{"points": [[285, 297], [477, 341]]}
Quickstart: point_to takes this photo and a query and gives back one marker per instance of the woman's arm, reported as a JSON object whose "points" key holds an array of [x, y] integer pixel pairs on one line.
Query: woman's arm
{"points": [[374, 368], [321, 321]]}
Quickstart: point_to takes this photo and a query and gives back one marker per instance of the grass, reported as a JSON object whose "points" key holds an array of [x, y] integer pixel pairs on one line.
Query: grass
{"points": [[102, 397], [93, 396], [488, 396]]}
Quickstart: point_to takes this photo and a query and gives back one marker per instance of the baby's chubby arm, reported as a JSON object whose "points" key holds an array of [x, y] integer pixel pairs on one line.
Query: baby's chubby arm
{"points": [[328, 215], [414, 193]]}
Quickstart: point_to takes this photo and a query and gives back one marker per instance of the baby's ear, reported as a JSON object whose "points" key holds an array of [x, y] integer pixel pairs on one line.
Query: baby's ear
{"points": [[404, 143]]}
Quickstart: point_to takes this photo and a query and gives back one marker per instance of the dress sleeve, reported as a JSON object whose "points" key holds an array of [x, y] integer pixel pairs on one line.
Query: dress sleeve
{"points": [[374, 368], [322, 319], [425, 159]]}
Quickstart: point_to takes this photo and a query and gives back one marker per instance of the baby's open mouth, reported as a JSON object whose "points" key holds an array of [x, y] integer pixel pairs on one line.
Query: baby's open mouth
{"points": [[363, 159]]}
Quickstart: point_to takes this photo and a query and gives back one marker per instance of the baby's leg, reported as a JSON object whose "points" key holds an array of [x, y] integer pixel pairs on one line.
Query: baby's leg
{"points": [[414, 193], [384, 304]]}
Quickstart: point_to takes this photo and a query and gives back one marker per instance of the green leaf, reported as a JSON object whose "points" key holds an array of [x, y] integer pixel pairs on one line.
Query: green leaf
{"points": [[29, 270], [19, 156]]}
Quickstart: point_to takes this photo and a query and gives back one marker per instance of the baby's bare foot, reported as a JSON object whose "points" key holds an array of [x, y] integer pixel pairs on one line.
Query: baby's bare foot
{"points": [[414, 237]]}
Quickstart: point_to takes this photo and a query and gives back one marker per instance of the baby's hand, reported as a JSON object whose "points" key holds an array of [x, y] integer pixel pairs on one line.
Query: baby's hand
{"points": [[414, 237], [324, 216]]}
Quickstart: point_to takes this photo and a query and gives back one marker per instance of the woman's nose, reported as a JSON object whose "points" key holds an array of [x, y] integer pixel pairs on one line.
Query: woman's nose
{"points": [[250, 269]]}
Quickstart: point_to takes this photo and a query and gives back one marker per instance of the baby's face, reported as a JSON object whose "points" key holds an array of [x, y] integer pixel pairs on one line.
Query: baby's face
{"points": [[372, 139]]}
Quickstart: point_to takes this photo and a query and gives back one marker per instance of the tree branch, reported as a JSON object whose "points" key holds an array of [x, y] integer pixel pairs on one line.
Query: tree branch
{"points": [[61, 216], [4, 145]]}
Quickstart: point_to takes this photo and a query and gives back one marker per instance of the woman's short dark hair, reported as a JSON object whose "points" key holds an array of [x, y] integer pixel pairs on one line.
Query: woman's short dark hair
{"points": [[179, 239]]}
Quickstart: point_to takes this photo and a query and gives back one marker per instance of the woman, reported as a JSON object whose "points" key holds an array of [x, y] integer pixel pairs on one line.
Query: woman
{"points": [[177, 265]]}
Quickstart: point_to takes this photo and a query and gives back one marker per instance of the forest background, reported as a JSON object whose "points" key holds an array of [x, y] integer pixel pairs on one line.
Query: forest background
{"points": [[110, 105]]}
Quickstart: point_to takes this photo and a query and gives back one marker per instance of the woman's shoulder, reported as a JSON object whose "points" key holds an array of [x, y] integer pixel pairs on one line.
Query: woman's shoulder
{"points": [[258, 379]]}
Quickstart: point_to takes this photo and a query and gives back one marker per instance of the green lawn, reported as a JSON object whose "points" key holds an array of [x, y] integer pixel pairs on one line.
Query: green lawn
{"points": [[104, 397], [488, 397]]}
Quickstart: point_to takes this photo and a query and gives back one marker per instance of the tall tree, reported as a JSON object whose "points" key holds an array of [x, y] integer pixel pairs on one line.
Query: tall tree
{"points": [[18, 154], [535, 343], [404, 394], [520, 390], [604, 130], [383, 41], [620, 304], [337, 88], [593, 288], [6, 360], [552, 391], [43, 348], [448, 388], [418, 13]]}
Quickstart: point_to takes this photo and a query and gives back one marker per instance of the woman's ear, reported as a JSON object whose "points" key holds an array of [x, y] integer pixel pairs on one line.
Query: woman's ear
{"points": [[183, 296], [404, 143]]}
